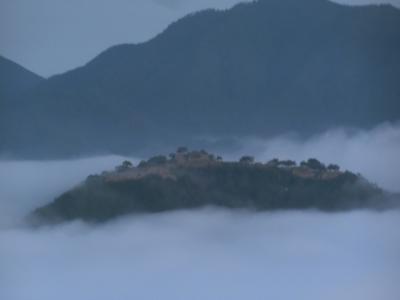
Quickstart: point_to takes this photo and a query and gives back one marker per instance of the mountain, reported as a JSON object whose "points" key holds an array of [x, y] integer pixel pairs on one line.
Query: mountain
{"points": [[258, 69], [196, 179], [15, 79]]}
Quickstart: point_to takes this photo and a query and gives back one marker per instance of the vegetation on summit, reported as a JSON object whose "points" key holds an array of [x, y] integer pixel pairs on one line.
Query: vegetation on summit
{"points": [[192, 179]]}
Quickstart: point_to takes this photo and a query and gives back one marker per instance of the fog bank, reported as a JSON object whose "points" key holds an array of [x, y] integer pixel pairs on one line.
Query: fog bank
{"points": [[373, 153], [207, 254], [26, 185]]}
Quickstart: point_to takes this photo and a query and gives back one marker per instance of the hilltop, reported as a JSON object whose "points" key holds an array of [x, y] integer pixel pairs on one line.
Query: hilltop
{"points": [[186, 180], [15, 79]]}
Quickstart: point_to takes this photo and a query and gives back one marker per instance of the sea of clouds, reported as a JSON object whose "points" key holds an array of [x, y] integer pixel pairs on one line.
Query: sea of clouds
{"points": [[207, 253]]}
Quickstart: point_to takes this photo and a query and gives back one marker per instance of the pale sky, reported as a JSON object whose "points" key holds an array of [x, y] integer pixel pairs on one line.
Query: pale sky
{"points": [[53, 36]]}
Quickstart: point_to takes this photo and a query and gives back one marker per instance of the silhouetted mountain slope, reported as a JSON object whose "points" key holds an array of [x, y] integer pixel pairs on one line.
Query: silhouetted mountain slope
{"points": [[15, 79], [258, 69]]}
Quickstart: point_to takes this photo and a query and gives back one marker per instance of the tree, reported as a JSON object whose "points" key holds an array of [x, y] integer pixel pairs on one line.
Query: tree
{"points": [[314, 164], [142, 164], [273, 162], [182, 150], [287, 163], [247, 159], [157, 160], [126, 165], [333, 167]]}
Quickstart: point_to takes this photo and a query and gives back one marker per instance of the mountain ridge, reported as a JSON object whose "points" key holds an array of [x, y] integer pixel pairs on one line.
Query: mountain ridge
{"points": [[15, 79], [260, 68]]}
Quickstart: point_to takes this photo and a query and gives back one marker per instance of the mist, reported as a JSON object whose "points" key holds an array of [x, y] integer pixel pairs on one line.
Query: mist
{"points": [[373, 153], [206, 253], [26, 185]]}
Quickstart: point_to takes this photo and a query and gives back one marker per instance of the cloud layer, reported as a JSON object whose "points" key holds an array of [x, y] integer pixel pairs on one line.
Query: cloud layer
{"points": [[207, 254], [373, 153], [26, 185]]}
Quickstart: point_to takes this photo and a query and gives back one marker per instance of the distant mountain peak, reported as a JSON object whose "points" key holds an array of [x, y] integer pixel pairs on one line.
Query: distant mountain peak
{"points": [[15, 78], [259, 69]]}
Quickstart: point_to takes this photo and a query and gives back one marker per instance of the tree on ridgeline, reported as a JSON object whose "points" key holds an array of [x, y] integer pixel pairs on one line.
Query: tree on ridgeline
{"points": [[247, 159]]}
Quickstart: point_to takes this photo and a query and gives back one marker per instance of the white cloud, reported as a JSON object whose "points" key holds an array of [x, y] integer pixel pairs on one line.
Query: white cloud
{"points": [[25, 185], [207, 254], [373, 153]]}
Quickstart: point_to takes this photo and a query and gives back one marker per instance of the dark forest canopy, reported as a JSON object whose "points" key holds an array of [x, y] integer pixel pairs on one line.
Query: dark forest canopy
{"points": [[258, 69], [193, 179]]}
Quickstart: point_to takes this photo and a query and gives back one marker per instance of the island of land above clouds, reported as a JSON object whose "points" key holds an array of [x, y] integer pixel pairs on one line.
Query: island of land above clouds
{"points": [[194, 179]]}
